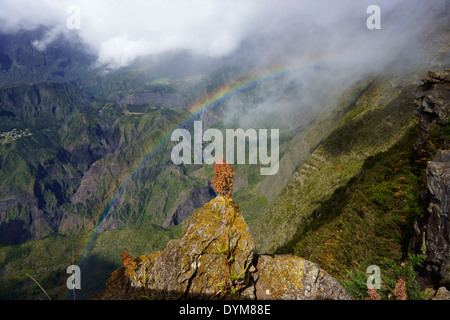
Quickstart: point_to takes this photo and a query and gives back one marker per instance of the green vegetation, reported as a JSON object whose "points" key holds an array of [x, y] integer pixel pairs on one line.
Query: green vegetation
{"points": [[48, 173], [47, 259], [71, 132], [369, 220], [391, 273], [446, 130], [350, 204], [381, 115], [370, 217]]}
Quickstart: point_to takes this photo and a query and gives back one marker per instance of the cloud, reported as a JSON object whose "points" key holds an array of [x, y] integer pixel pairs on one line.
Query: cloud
{"points": [[49, 36], [120, 31], [123, 30]]}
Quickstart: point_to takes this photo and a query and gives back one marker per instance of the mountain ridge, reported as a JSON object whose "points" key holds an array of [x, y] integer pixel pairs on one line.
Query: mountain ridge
{"points": [[191, 267]]}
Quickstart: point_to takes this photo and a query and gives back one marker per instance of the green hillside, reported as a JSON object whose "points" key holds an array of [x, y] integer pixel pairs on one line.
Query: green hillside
{"points": [[46, 260]]}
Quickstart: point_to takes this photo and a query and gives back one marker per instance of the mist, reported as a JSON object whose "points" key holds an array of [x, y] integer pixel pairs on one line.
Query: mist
{"points": [[324, 45], [120, 31]]}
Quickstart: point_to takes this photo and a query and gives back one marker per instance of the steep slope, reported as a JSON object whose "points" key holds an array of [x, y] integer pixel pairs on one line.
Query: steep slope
{"points": [[22, 60], [309, 138], [46, 260], [381, 215], [81, 157], [38, 174], [380, 117], [431, 230]]}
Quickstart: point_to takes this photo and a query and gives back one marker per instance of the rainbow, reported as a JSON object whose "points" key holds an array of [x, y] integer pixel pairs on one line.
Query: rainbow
{"points": [[197, 108], [235, 87]]}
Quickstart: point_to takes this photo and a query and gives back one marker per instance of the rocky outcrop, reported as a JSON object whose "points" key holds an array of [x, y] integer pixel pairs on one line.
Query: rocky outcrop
{"points": [[286, 277], [193, 267], [433, 103], [432, 234], [195, 200], [433, 237], [441, 294]]}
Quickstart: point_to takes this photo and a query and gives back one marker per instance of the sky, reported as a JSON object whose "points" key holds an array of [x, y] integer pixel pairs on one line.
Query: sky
{"points": [[119, 31]]}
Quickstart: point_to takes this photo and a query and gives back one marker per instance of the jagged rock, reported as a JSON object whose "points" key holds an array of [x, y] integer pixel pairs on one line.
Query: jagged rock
{"points": [[433, 102], [437, 228], [442, 294], [286, 277], [193, 201], [432, 234], [192, 267], [438, 76]]}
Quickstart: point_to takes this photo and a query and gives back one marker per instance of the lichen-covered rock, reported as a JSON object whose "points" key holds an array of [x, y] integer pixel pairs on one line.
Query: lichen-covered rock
{"points": [[433, 102], [432, 233], [285, 277], [193, 266], [441, 294], [437, 228]]}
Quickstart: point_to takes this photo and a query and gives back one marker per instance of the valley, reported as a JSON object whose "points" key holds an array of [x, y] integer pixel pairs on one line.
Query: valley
{"points": [[97, 160]]}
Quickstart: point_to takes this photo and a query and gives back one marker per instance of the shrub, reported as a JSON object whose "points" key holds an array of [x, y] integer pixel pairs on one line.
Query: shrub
{"points": [[222, 181], [397, 282]]}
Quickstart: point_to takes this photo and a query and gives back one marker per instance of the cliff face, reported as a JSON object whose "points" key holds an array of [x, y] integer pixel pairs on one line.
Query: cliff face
{"points": [[433, 103], [437, 228], [78, 153], [432, 234], [193, 267], [373, 122]]}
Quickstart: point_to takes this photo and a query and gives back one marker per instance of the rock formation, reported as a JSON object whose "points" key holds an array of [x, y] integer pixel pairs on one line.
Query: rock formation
{"points": [[433, 103], [193, 267], [432, 234]]}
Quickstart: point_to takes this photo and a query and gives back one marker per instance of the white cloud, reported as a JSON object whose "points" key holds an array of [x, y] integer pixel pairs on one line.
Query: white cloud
{"points": [[50, 36], [119, 31]]}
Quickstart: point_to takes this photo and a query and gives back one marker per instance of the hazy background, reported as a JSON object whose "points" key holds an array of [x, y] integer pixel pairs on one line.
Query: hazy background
{"points": [[323, 46], [285, 61], [119, 31]]}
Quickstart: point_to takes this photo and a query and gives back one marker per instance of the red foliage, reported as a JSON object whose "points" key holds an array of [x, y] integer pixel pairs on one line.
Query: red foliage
{"points": [[223, 178], [373, 294], [128, 262], [400, 289]]}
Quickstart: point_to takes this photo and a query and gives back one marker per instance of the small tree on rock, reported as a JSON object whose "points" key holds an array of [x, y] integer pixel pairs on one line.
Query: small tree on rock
{"points": [[223, 179], [223, 185]]}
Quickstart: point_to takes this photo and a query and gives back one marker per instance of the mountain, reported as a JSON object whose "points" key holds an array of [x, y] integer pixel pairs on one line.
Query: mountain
{"points": [[89, 134], [380, 116], [85, 168], [111, 134], [375, 210], [192, 267], [430, 234], [78, 154], [63, 60], [391, 178]]}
